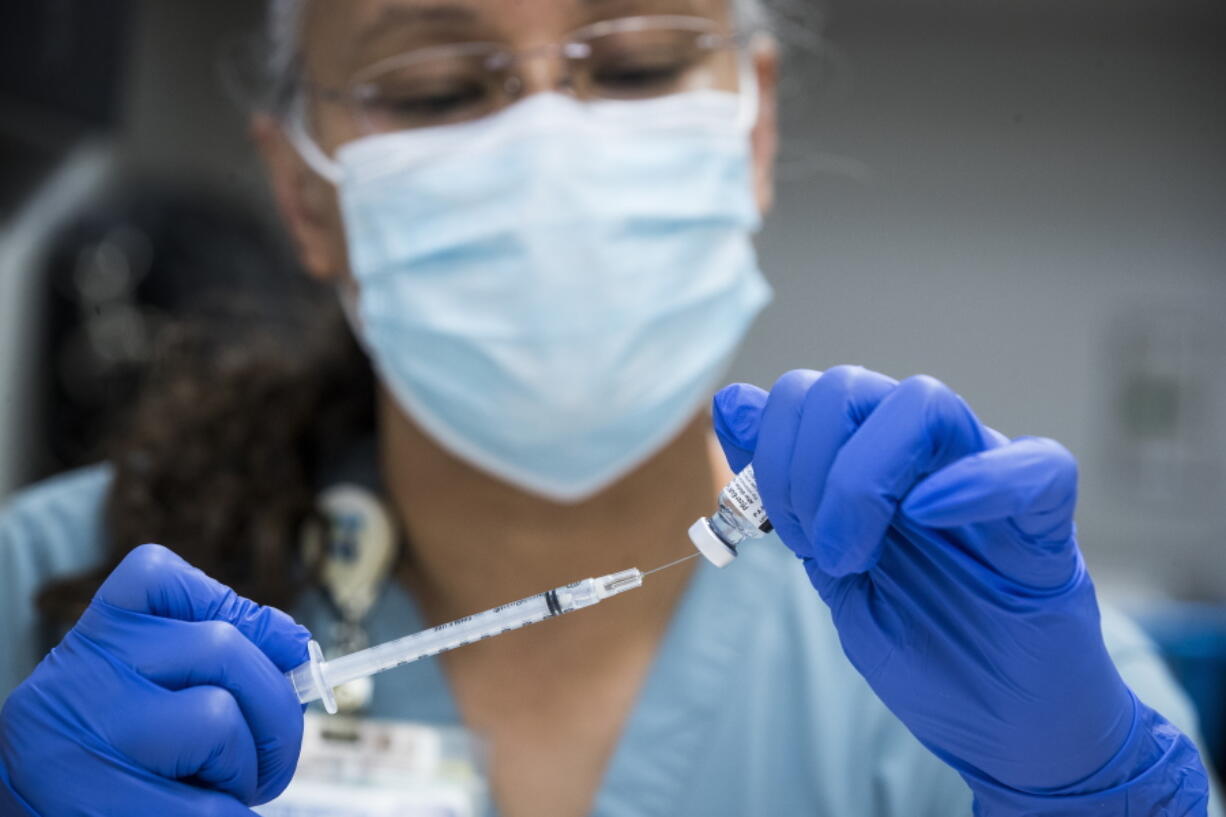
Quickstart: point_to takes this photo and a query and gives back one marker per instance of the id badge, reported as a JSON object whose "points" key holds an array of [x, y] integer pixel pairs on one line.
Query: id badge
{"points": [[363, 767]]}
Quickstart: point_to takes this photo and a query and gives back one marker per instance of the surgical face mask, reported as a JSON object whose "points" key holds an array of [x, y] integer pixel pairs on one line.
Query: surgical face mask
{"points": [[552, 292]]}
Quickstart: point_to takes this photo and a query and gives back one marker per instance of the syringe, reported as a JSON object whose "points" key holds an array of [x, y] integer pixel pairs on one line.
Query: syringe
{"points": [[315, 679]]}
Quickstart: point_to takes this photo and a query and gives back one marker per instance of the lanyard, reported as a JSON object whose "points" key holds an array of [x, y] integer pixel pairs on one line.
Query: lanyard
{"points": [[355, 552]]}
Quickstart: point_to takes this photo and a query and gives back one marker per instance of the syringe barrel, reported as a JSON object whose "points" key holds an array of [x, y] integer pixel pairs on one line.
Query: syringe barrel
{"points": [[441, 638], [316, 678]]}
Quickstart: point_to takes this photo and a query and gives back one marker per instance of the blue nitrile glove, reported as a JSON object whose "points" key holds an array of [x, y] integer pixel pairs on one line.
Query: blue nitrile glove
{"points": [[167, 698], [947, 556]]}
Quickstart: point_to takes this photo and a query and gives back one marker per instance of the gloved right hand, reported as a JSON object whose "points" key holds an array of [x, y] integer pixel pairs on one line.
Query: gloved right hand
{"points": [[948, 557], [168, 697]]}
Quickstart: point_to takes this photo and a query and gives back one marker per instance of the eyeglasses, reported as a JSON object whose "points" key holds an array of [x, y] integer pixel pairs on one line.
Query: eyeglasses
{"points": [[626, 58]]}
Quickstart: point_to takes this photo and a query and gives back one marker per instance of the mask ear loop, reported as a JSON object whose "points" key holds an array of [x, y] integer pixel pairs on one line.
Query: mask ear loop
{"points": [[307, 147], [347, 294], [747, 79]]}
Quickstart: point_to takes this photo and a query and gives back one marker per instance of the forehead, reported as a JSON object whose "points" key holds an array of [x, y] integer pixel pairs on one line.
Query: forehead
{"points": [[340, 32]]}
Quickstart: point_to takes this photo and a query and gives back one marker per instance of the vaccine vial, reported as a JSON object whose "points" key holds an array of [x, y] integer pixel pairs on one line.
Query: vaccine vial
{"points": [[739, 517]]}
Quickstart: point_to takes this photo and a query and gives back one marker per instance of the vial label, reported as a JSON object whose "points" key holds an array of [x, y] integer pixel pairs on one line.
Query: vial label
{"points": [[741, 494]]}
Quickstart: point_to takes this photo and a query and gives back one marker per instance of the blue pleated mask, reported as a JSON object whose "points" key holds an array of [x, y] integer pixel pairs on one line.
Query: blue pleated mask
{"points": [[552, 292]]}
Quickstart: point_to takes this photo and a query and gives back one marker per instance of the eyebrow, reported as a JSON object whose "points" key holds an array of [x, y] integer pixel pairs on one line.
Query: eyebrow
{"points": [[642, 6], [407, 15]]}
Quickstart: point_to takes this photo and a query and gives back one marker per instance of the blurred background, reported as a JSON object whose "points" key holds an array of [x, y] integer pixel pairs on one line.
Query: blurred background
{"points": [[1026, 200]]}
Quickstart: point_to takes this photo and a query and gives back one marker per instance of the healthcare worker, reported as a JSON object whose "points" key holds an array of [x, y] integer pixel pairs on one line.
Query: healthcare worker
{"points": [[538, 216]]}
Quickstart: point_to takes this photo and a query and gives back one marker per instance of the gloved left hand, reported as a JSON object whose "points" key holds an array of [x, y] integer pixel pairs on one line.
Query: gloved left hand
{"points": [[947, 556], [168, 697]]}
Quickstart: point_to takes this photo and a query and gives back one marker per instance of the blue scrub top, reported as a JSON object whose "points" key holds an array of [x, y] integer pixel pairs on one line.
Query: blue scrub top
{"points": [[750, 706]]}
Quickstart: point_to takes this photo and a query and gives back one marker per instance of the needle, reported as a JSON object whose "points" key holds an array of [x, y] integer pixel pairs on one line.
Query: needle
{"points": [[670, 564]]}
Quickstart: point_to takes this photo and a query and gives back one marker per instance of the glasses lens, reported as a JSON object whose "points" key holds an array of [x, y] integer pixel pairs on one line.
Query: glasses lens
{"points": [[428, 88], [647, 62], [627, 58]]}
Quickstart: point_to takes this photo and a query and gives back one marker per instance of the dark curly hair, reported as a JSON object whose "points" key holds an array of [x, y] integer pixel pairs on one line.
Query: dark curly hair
{"points": [[220, 458]]}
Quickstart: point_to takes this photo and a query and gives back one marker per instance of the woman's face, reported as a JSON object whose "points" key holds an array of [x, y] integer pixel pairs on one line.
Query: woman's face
{"points": [[352, 43]]}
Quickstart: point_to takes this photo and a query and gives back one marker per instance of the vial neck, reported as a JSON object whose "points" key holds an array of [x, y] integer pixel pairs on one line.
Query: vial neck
{"points": [[731, 527]]}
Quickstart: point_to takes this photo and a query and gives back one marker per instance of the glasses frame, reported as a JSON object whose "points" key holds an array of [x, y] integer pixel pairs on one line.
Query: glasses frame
{"points": [[574, 47]]}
